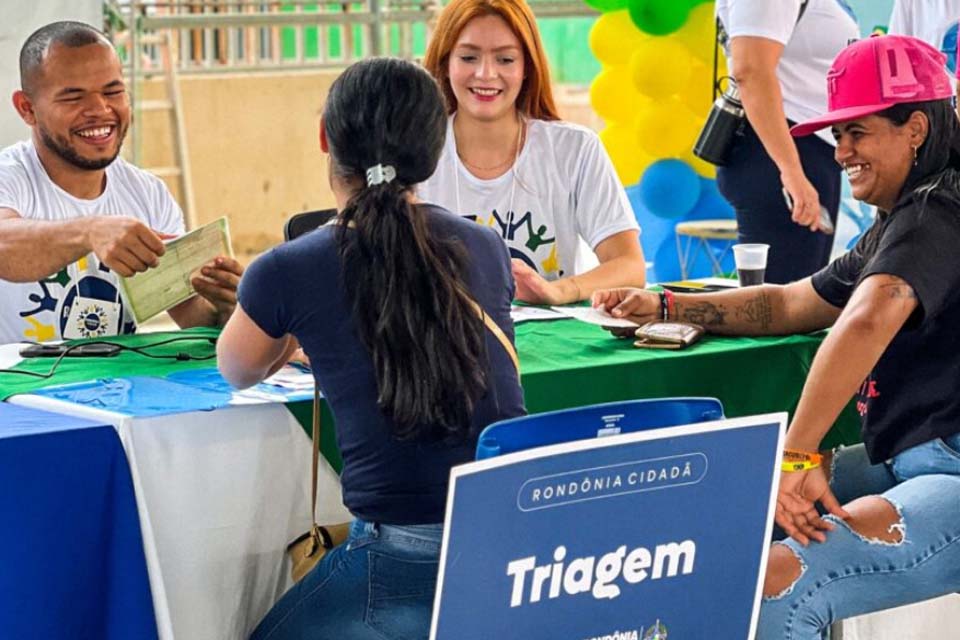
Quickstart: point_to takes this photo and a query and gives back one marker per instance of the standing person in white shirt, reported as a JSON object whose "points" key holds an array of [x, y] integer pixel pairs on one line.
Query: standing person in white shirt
{"points": [[509, 162], [778, 53], [933, 21], [73, 214]]}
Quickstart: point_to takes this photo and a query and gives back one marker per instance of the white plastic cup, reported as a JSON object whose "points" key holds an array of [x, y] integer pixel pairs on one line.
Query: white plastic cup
{"points": [[751, 261]]}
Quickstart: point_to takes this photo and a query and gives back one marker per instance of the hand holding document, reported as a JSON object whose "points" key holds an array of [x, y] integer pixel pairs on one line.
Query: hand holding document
{"points": [[169, 283]]}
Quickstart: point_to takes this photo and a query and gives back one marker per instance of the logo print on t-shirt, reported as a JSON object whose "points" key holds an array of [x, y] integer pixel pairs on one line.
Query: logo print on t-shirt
{"points": [[94, 297], [526, 249], [868, 391], [56, 297]]}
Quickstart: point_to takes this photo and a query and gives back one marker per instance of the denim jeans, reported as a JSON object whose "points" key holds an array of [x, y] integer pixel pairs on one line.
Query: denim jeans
{"points": [[378, 585], [849, 575]]}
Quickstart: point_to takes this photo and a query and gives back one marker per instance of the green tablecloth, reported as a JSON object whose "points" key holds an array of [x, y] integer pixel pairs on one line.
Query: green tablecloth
{"points": [[564, 363], [198, 343], [567, 363]]}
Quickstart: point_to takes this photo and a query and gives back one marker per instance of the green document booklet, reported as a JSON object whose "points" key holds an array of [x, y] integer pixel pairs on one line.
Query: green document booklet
{"points": [[168, 284]]}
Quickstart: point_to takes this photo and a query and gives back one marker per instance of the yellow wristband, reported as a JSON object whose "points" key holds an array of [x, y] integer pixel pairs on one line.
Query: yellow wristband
{"points": [[798, 466], [799, 460]]}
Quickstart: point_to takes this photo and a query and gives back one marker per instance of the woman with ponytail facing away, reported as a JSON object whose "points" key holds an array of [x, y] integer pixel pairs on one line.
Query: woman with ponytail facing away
{"points": [[383, 303]]}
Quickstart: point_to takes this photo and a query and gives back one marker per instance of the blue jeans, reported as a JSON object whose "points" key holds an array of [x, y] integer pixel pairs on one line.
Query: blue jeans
{"points": [[848, 575], [378, 585]]}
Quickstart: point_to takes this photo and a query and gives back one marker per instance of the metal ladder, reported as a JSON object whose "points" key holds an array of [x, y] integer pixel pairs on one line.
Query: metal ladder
{"points": [[174, 106]]}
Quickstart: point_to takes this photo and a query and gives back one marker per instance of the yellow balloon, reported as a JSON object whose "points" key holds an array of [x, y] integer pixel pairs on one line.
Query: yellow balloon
{"points": [[698, 94], [660, 67], [666, 128], [699, 32], [613, 37], [613, 95], [630, 162], [702, 167]]}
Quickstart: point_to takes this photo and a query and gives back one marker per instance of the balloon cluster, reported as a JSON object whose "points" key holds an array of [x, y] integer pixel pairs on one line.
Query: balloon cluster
{"points": [[654, 92]]}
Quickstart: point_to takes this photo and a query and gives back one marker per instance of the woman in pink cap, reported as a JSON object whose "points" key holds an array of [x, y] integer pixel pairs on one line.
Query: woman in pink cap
{"points": [[892, 302]]}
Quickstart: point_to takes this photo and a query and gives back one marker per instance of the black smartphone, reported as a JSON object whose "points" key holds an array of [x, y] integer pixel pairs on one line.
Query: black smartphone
{"points": [[826, 224], [92, 350], [42, 350]]}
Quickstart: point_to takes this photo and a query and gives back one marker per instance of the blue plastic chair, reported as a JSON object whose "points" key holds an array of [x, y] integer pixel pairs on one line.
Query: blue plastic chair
{"points": [[594, 421]]}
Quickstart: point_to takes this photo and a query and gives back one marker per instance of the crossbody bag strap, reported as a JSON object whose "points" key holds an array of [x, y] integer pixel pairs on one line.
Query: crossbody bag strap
{"points": [[497, 333], [315, 436]]}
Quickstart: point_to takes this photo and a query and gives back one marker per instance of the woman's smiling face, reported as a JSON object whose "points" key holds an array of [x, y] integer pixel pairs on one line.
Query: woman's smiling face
{"points": [[877, 154], [486, 69]]}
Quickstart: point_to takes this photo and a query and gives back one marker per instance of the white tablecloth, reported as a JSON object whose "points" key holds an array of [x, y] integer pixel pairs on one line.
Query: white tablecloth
{"points": [[219, 494]]}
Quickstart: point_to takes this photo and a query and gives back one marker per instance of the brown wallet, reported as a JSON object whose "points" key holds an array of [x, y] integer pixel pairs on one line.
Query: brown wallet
{"points": [[667, 335]]}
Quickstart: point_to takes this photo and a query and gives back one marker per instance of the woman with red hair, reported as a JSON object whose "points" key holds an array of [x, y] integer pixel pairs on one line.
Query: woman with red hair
{"points": [[544, 185]]}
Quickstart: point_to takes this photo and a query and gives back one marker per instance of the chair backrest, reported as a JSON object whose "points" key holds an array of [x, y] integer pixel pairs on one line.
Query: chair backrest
{"points": [[582, 423], [300, 223]]}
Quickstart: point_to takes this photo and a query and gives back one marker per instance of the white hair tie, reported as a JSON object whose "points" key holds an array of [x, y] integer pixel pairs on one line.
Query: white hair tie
{"points": [[380, 173]]}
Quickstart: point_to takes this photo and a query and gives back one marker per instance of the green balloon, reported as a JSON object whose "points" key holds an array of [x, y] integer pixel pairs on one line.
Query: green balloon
{"points": [[608, 5], [659, 17]]}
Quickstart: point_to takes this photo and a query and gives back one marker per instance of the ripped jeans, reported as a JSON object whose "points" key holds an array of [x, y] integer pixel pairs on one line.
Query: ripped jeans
{"points": [[848, 575]]}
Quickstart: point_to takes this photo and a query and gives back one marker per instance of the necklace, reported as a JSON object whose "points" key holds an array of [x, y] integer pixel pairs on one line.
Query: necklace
{"points": [[512, 157], [513, 169]]}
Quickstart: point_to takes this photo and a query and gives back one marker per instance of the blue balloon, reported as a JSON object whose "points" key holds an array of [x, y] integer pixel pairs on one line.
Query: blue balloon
{"points": [[711, 205], [654, 230], [670, 188], [659, 241]]}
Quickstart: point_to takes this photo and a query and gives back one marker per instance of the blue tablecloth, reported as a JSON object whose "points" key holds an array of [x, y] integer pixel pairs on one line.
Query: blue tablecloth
{"points": [[71, 555], [180, 392]]}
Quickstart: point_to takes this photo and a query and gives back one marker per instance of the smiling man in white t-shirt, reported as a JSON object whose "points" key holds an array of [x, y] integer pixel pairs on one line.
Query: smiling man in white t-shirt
{"points": [[73, 214]]}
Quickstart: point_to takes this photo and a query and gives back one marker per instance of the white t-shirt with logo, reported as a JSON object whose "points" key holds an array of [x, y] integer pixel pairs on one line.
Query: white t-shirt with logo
{"points": [[562, 189], [933, 21], [82, 299], [810, 45]]}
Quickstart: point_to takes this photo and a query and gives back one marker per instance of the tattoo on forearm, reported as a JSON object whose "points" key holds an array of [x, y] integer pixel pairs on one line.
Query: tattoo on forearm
{"points": [[704, 313], [757, 311], [899, 290]]}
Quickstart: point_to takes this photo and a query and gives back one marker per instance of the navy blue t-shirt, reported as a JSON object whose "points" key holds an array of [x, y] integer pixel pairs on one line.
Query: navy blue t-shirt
{"points": [[296, 288], [910, 397]]}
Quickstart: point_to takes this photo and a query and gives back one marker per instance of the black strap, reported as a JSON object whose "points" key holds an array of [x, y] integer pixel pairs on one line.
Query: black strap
{"points": [[722, 38]]}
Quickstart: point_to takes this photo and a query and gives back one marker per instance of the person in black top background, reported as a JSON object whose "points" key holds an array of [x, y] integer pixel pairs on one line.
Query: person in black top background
{"points": [[892, 303]]}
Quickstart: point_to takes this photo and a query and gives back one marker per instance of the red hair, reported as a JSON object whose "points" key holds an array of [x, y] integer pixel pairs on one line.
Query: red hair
{"points": [[536, 97]]}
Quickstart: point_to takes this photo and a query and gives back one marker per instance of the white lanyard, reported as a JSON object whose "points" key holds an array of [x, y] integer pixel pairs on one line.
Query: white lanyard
{"points": [[91, 317]]}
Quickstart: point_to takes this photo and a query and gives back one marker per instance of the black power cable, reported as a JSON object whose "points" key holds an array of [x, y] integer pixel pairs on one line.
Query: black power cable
{"points": [[141, 350]]}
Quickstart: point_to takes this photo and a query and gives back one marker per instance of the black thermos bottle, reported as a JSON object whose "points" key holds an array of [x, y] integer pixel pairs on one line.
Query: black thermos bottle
{"points": [[723, 123]]}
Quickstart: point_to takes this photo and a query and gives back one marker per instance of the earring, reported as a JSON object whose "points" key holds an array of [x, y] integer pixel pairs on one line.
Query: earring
{"points": [[915, 154]]}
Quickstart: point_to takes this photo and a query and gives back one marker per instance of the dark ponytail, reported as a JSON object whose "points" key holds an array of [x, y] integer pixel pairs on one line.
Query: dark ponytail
{"points": [[406, 288]]}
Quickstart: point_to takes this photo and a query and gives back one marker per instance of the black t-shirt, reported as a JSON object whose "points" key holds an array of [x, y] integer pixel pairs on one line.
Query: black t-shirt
{"points": [[911, 396], [296, 288]]}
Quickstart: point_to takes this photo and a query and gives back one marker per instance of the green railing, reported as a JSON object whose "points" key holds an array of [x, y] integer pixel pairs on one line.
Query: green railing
{"points": [[244, 35]]}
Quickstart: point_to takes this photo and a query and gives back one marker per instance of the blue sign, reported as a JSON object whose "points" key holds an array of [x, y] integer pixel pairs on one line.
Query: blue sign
{"points": [[645, 536]]}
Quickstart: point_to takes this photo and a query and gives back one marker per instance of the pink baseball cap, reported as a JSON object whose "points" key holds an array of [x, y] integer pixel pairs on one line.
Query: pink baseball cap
{"points": [[875, 73]]}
